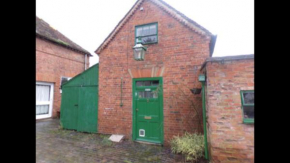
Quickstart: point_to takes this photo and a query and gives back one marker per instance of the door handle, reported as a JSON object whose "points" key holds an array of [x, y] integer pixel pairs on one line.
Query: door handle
{"points": [[136, 109], [76, 105]]}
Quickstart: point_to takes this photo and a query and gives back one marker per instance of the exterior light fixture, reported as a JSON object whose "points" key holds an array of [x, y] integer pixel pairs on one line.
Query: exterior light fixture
{"points": [[195, 90], [139, 50], [201, 78]]}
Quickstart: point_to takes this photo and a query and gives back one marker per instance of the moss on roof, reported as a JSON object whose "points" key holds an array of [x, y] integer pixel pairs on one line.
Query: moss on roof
{"points": [[44, 30]]}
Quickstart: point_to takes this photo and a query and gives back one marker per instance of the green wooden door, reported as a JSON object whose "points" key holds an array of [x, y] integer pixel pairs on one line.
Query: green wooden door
{"points": [[69, 107], [148, 110], [88, 109]]}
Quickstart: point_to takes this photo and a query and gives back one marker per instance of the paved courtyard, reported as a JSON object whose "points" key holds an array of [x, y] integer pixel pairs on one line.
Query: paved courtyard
{"points": [[54, 145]]}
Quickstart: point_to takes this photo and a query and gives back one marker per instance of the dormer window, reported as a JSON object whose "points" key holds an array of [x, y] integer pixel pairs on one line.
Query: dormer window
{"points": [[147, 32]]}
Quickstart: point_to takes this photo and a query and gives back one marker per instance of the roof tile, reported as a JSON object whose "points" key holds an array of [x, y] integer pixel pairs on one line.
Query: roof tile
{"points": [[44, 30]]}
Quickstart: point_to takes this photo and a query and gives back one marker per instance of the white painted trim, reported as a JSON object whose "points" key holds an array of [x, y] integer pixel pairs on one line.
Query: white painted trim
{"points": [[42, 102], [50, 102]]}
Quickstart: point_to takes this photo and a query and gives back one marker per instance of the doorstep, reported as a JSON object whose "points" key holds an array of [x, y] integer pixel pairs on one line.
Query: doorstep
{"points": [[45, 119], [145, 142]]}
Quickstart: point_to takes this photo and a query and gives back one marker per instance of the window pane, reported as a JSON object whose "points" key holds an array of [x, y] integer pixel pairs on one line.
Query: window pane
{"points": [[145, 31], [42, 92], [64, 80], [155, 94], [147, 94], [152, 29], [139, 32], [147, 83], [149, 39], [248, 97], [42, 109], [248, 111], [141, 94], [139, 83], [155, 83]]}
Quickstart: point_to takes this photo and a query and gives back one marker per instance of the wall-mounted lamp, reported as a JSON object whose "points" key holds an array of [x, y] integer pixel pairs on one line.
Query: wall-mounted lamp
{"points": [[139, 50]]}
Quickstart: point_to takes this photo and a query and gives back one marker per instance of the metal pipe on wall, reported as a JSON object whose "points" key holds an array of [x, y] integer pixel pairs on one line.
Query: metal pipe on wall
{"points": [[201, 79], [121, 104], [204, 120]]}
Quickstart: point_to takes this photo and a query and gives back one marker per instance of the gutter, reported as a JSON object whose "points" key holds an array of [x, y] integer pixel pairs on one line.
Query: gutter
{"points": [[226, 58]]}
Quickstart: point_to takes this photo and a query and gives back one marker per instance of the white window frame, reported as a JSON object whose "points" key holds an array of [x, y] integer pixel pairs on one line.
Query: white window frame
{"points": [[50, 102], [60, 91]]}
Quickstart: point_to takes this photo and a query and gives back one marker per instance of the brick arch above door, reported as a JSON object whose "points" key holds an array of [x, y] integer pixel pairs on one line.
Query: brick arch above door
{"points": [[147, 72]]}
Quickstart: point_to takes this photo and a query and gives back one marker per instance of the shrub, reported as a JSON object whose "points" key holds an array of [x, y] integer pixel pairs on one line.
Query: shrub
{"points": [[190, 145]]}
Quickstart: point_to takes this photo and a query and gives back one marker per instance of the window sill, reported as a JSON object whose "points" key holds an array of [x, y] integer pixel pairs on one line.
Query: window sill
{"points": [[248, 121], [150, 43]]}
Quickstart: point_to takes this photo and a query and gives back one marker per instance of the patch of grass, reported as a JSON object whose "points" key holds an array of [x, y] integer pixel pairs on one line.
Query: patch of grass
{"points": [[153, 158], [103, 136], [106, 141], [60, 132], [91, 136], [61, 42], [60, 127]]}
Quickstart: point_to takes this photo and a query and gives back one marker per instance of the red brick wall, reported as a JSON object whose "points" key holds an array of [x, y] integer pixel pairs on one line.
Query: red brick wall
{"points": [[177, 57], [229, 139], [54, 61]]}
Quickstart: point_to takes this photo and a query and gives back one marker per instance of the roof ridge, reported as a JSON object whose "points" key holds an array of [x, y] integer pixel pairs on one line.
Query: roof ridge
{"points": [[54, 34], [119, 23], [187, 21], [200, 26]]}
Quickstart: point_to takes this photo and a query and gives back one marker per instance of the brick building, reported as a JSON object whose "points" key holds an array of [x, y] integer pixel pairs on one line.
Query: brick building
{"points": [[150, 100], [229, 103], [57, 60]]}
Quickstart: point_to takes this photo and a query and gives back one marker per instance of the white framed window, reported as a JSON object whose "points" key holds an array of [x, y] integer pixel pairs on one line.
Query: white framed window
{"points": [[63, 80], [44, 99]]}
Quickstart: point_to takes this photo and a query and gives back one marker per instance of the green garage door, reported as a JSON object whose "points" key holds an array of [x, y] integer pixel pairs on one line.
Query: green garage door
{"points": [[79, 108], [79, 101], [69, 107], [88, 113]]}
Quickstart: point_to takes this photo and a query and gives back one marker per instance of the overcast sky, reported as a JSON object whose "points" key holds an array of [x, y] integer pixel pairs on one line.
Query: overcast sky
{"points": [[89, 22]]}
